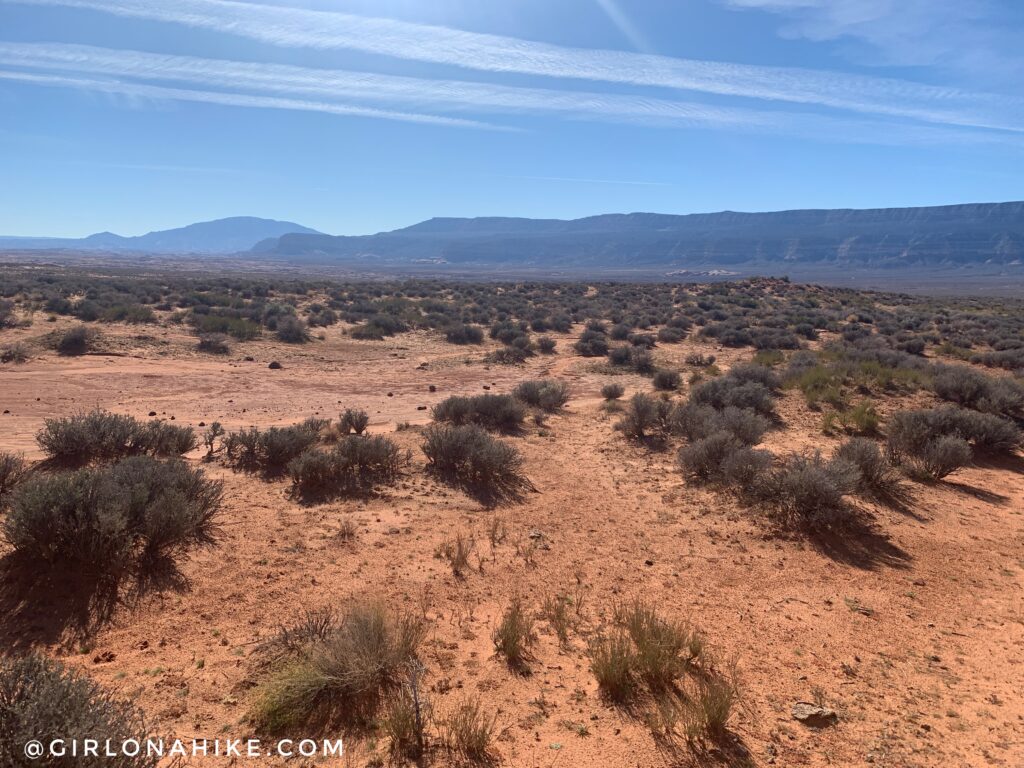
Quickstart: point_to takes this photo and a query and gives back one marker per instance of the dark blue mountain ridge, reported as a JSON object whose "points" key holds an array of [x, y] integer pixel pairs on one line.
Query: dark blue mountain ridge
{"points": [[230, 235], [949, 235]]}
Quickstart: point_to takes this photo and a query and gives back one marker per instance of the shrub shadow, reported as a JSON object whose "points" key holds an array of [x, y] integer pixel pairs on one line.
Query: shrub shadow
{"points": [[46, 608], [860, 544]]}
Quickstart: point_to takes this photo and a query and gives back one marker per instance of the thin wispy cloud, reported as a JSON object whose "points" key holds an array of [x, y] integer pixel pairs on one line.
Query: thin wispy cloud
{"points": [[970, 38], [576, 180], [403, 97], [297, 27], [158, 93]]}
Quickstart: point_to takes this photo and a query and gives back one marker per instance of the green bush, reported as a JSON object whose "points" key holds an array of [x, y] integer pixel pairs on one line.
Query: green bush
{"points": [[612, 391], [356, 465], [353, 420], [467, 456], [75, 341], [464, 334], [292, 330], [808, 492], [271, 450], [101, 436], [43, 700], [108, 521], [12, 472], [546, 394], [501, 413], [646, 418], [914, 438], [667, 380], [875, 474]]}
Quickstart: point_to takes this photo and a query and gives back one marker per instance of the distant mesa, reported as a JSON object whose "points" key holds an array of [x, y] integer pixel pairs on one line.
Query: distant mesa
{"points": [[710, 244], [942, 236], [231, 235]]}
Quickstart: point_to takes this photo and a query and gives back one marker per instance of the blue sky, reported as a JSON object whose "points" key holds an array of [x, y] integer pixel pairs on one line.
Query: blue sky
{"points": [[355, 116]]}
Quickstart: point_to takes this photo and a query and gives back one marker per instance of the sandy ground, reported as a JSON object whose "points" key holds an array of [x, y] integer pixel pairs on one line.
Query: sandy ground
{"points": [[914, 633]]}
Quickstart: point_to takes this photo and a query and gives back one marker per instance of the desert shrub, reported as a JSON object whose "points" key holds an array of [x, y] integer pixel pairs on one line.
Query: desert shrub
{"points": [[914, 438], [214, 343], [646, 418], [12, 472], [546, 344], [622, 355], [14, 353], [270, 451], [612, 391], [356, 465], [641, 361], [353, 420], [620, 332], [105, 522], [644, 340], [75, 341], [495, 412], [727, 391], [744, 469], [666, 380], [342, 672], [514, 635], [292, 330], [101, 435], [508, 356], [875, 474], [546, 394], [700, 360], [703, 459], [464, 334], [973, 389], [592, 344], [41, 699], [807, 491], [671, 335], [469, 457]]}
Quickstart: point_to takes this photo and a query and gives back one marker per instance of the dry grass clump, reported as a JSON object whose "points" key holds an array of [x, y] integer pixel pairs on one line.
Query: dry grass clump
{"points": [[457, 551], [514, 635], [338, 670], [468, 732]]}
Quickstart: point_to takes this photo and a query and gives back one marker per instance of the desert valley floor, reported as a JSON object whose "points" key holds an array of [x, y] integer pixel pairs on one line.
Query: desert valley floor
{"points": [[911, 629]]}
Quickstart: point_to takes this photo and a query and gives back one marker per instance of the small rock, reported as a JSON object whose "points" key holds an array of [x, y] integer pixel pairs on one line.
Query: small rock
{"points": [[421, 407], [486, 387], [648, 563], [152, 413], [391, 394], [202, 423], [274, 365], [432, 388], [814, 716], [103, 658]]}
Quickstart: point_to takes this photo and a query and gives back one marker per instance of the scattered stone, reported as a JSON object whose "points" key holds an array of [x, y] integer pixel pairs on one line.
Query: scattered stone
{"points": [[391, 394], [152, 413], [103, 658], [432, 388], [648, 563], [202, 423], [814, 716], [486, 386], [275, 366], [421, 407]]}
